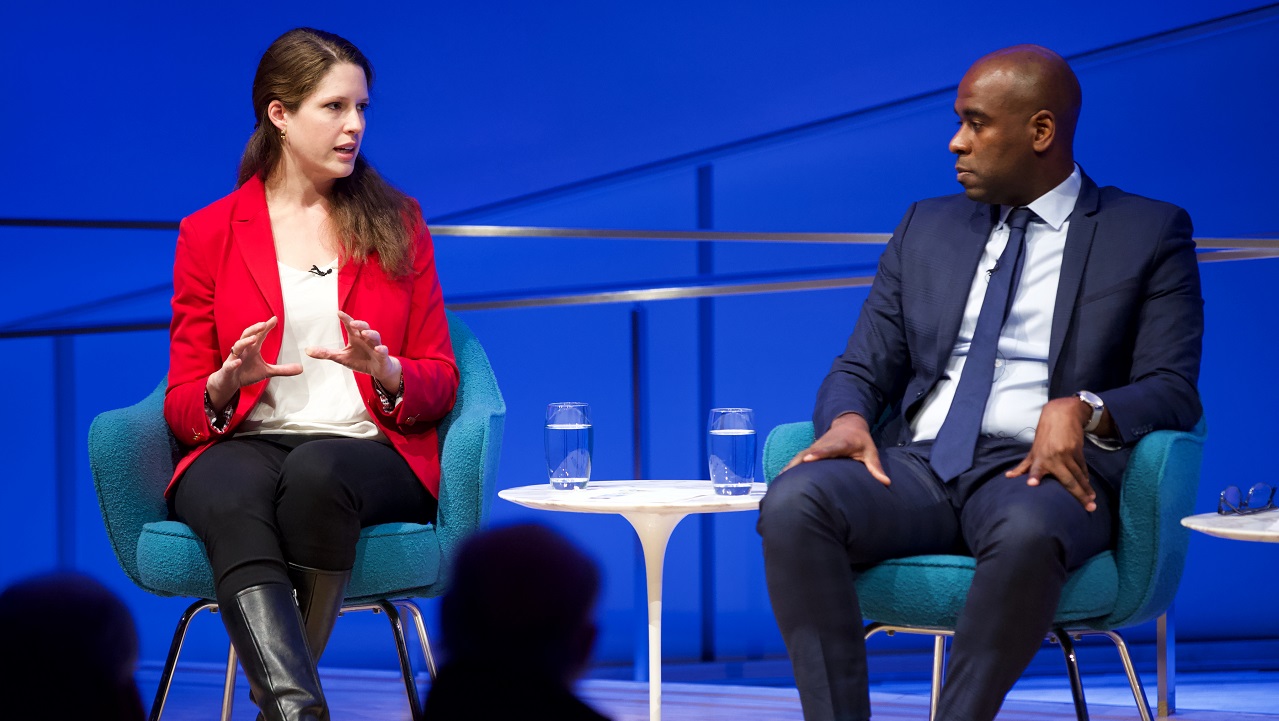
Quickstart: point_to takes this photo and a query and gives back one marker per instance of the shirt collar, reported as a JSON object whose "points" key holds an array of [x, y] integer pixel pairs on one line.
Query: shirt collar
{"points": [[1055, 206]]}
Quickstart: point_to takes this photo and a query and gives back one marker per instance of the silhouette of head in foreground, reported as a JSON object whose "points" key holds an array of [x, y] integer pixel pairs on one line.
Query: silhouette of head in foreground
{"points": [[72, 650], [522, 596]]}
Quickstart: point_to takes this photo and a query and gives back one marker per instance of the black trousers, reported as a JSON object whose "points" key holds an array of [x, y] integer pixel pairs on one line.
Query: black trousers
{"points": [[824, 521], [261, 502]]}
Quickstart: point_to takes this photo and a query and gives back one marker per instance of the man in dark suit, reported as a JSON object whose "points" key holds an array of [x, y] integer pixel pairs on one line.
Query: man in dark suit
{"points": [[1017, 341]]}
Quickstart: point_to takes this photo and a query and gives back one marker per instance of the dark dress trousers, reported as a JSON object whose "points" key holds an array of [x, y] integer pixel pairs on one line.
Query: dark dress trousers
{"points": [[1127, 325]]}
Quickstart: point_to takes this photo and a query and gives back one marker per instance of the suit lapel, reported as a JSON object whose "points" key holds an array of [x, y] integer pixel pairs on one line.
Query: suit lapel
{"points": [[251, 228], [1074, 260], [966, 254]]}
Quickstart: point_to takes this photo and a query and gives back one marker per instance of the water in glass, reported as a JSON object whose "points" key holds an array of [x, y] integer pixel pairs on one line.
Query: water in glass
{"points": [[569, 441], [568, 454], [732, 451]]}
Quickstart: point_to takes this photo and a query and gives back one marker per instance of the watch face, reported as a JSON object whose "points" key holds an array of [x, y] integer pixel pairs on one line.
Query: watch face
{"points": [[1091, 399]]}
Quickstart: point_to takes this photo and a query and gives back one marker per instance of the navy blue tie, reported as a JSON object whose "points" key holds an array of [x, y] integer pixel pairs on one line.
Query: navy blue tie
{"points": [[952, 452]]}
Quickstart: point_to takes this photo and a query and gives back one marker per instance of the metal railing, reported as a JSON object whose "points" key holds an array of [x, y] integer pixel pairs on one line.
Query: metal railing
{"points": [[1212, 250]]}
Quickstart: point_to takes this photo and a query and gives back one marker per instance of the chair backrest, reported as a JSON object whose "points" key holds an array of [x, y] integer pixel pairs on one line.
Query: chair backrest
{"points": [[1159, 488], [133, 454]]}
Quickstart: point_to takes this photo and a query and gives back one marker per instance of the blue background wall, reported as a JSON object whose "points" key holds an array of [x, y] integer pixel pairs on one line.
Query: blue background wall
{"points": [[819, 116]]}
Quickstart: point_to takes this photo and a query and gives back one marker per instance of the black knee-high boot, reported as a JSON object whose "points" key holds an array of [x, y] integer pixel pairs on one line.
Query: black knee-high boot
{"points": [[267, 631], [320, 595]]}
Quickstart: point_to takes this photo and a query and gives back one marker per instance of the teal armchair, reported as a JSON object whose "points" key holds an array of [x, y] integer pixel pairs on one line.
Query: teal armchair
{"points": [[1132, 584], [132, 456]]}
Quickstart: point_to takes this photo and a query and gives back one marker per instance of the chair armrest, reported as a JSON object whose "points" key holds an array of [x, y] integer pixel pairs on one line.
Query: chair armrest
{"points": [[1159, 488], [469, 455], [132, 455], [470, 442], [782, 444]]}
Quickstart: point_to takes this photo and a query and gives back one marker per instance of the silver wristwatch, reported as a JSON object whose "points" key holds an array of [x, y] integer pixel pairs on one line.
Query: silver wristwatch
{"points": [[1097, 404]]}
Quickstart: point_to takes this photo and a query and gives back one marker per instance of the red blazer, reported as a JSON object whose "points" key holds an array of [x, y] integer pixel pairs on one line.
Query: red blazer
{"points": [[225, 278]]}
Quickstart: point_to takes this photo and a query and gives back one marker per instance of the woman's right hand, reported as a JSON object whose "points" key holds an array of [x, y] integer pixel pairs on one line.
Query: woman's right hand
{"points": [[245, 366]]}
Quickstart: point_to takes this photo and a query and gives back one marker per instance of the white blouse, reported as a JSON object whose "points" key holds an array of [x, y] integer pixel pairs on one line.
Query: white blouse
{"points": [[323, 399]]}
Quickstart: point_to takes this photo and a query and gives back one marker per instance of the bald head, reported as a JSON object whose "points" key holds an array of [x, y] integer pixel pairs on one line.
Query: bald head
{"points": [[1034, 78], [1018, 108]]}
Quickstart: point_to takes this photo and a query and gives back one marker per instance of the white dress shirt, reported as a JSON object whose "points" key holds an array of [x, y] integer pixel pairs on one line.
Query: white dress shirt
{"points": [[1020, 388]]}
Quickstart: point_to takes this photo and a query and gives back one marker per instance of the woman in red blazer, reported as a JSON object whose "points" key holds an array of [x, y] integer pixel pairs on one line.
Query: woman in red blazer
{"points": [[309, 364]]}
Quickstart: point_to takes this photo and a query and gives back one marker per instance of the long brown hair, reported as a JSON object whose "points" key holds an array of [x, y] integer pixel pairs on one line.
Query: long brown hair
{"points": [[368, 213]]}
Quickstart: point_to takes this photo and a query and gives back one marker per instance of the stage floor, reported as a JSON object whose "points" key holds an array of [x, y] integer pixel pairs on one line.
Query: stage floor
{"points": [[375, 695]]}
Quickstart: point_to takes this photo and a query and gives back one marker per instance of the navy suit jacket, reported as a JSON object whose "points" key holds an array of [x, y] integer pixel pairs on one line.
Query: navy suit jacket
{"points": [[1127, 324]]}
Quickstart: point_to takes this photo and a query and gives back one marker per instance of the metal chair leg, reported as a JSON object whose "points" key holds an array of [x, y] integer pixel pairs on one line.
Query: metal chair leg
{"points": [[939, 655], [390, 608], [422, 637], [874, 628], [228, 686], [1138, 692], [939, 665], [175, 650], [402, 649], [1072, 669], [1064, 639], [1166, 663]]}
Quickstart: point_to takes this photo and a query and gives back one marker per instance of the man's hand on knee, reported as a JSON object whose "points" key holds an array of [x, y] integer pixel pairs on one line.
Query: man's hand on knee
{"points": [[848, 437], [1058, 451]]}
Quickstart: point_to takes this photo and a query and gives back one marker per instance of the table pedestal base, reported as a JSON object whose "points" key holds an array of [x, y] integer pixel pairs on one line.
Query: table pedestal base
{"points": [[654, 531]]}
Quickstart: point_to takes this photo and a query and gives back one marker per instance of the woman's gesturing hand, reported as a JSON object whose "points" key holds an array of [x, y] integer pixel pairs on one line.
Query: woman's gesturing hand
{"points": [[245, 366], [364, 353]]}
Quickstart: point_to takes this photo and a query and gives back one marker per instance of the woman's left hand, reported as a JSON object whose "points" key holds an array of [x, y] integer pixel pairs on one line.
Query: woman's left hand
{"points": [[364, 353]]}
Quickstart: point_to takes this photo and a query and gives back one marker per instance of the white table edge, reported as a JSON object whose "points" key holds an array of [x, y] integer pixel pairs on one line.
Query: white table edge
{"points": [[1235, 534]]}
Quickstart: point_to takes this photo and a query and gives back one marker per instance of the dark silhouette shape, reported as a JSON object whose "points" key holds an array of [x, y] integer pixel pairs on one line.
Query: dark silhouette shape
{"points": [[517, 628], [71, 651]]}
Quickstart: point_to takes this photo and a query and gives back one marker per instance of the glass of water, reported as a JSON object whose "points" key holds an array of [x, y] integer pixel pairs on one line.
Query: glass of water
{"points": [[732, 450], [569, 438]]}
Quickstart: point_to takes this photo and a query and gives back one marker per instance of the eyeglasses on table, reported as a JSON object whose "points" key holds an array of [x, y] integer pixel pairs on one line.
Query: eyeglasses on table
{"points": [[1233, 502]]}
